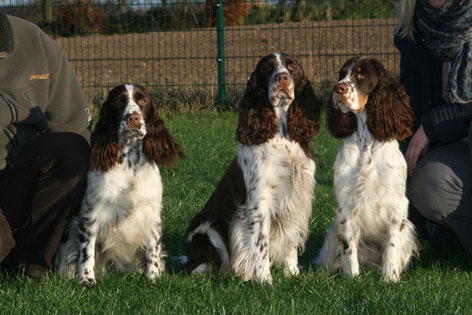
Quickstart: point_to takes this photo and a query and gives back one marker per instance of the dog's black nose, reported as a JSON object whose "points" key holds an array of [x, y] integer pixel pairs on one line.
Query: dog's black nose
{"points": [[282, 78], [341, 88], [132, 119]]}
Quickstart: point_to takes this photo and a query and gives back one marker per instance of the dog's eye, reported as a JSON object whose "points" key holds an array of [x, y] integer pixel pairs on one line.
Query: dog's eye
{"points": [[142, 102], [291, 67], [123, 99], [268, 67], [360, 74]]}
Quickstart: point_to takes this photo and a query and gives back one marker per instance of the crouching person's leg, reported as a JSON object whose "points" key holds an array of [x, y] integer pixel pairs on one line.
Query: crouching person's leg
{"points": [[42, 188], [6, 239], [441, 190]]}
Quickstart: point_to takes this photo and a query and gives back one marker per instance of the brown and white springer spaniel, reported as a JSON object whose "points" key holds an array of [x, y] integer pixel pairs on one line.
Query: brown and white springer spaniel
{"points": [[119, 224], [370, 111], [260, 210]]}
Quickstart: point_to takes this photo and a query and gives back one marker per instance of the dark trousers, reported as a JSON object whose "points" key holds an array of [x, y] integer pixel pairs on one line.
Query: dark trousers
{"points": [[440, 189], [38, 194]]}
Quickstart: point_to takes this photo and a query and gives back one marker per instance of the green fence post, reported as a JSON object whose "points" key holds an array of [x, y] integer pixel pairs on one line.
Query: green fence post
{"points": [[220, 53]]}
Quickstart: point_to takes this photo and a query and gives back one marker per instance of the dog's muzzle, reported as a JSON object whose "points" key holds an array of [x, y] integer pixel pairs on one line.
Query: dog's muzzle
{"points": [[283, 87]]}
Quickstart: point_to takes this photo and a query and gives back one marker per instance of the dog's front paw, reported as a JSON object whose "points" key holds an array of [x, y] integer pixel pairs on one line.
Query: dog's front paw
{"points": [[265, 280], [391, 278], [259, 278], [154, 269], [389, 274], [88, 281], [350, 266], [87, 278], [153, 275], [263, 276], [291, 270]]}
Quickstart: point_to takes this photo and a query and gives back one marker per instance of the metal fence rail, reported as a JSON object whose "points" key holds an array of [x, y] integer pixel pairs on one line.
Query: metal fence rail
{"points": [[174, 45]]}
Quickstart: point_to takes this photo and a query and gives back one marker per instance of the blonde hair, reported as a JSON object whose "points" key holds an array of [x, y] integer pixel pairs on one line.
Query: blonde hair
{"points": [[406, 15]]}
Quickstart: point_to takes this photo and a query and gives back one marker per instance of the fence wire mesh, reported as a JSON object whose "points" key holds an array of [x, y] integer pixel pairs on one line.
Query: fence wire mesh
{"points": [[173, 44]]}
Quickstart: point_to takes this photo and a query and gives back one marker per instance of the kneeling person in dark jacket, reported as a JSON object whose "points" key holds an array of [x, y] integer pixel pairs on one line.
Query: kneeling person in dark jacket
{"points": [[436, 71], [44, 150]]}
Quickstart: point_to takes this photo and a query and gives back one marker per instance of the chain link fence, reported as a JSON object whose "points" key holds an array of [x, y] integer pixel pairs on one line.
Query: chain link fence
{"points": [[173, 45]]}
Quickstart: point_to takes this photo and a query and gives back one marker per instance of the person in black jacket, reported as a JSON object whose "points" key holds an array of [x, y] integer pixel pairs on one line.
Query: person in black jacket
{"points": [[434, 38], [44, 150]]}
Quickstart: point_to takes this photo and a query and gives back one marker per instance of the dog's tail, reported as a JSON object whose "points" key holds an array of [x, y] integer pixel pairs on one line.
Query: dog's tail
{"points": [[327, 257]]}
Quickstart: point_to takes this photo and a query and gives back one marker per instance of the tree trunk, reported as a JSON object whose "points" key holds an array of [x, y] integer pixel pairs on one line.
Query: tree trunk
{"points": [[46, 9], [329, 15], [300, 7], [123, 6]]}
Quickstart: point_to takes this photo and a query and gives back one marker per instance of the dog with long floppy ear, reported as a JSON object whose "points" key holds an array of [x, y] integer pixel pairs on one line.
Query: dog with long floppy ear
{"points": [[389, 113], [258, 121], [119, 225], [260, 210], [370, 111], [159, 145]]}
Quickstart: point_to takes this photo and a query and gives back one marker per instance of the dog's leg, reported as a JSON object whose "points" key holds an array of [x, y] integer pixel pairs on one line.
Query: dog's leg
{"points": [[261, 250], [241, 262], [400, 243], [291, 263], [154, 253], [88, 238], [391, 260], [249, 236], [348, 241]]}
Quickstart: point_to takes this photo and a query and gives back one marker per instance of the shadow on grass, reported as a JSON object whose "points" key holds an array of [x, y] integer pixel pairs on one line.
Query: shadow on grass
{"points": [[452, 258]]}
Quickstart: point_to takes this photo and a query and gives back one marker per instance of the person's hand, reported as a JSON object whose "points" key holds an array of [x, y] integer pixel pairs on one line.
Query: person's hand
{"points": [[437, 3], [418, 146]]}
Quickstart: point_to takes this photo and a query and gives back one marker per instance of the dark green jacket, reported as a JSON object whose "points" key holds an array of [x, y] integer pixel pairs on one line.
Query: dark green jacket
{"points": [[39, 92]]}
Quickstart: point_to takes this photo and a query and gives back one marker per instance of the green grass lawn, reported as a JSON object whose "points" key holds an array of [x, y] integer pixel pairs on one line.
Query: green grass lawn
{"points": [[434, 284]]}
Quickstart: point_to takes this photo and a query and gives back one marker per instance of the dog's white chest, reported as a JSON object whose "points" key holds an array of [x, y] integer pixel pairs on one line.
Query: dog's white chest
{"points": [[126, 201], [366, 189], [277, 172]]}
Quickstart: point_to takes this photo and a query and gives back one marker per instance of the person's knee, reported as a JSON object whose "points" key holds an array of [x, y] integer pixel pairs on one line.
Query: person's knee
{"points": [[434, 191], [66, 174], [72, 153], [65, 170], [74, 146]]}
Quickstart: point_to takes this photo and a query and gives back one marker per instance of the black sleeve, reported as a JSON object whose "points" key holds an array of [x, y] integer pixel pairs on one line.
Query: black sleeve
{"points": [[420, 74], [449, 121]]}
